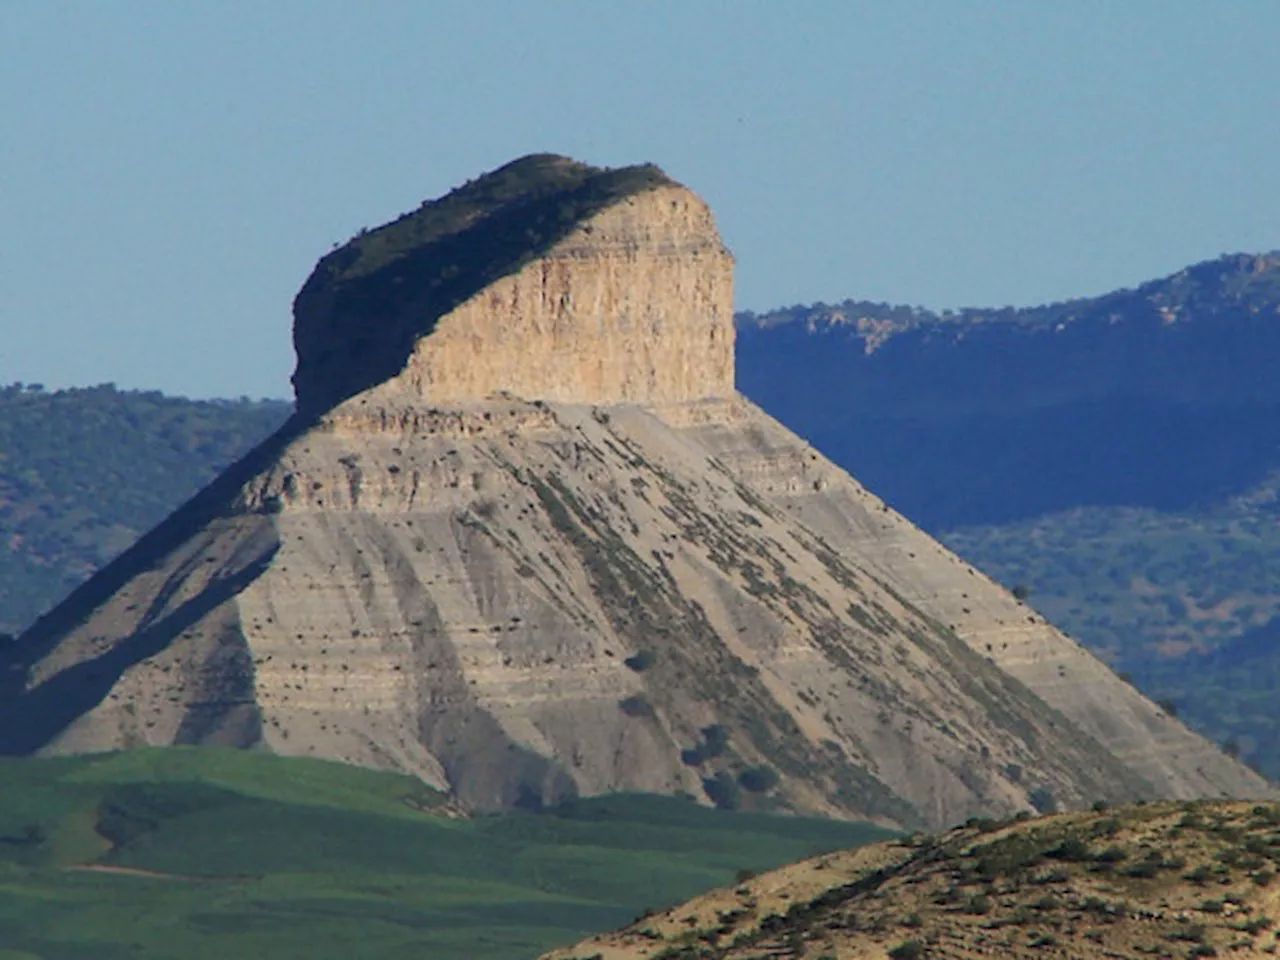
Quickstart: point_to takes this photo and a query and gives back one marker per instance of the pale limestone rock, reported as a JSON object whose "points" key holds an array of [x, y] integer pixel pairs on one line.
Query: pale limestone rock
{"points": [[635, 306]]}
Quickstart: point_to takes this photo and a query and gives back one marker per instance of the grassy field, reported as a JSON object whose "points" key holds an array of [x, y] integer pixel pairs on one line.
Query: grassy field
{"points": [[209, 854]]}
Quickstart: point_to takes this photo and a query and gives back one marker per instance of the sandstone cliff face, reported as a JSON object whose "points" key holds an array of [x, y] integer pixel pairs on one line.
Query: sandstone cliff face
{"points": [[635, 306], [544, 279], [552, 553]]}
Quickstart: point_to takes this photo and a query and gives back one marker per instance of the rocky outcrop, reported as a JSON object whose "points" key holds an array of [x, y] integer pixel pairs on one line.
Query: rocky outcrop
{"points": [[581, 286], [1105, 883], [550, 552]]}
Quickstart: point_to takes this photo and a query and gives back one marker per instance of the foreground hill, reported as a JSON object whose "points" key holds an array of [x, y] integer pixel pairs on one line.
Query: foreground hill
{"points": [[215, 853], [1162, 880], [525, 541], [1118, 456]]}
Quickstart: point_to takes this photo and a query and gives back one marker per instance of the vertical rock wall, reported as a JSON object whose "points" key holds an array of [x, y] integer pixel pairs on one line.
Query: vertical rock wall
{"points": [[634, 306]]}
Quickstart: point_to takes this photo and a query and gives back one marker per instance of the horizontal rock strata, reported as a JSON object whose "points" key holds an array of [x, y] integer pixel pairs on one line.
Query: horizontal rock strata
{"points": [[526, 543]]}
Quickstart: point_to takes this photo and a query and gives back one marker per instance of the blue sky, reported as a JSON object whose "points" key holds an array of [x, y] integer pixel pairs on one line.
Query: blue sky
{"points": [[169, 173]]}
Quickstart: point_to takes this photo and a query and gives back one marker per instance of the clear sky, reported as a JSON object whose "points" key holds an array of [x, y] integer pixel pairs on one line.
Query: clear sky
{"points": [[170, 172]]}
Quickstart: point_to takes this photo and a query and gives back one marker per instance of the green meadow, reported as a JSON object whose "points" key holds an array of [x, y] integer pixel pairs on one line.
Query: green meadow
{"points": [[201, 853]]}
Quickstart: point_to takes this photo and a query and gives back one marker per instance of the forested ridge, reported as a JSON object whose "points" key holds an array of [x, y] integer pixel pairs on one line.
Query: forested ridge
{"points": [[84, 472]]}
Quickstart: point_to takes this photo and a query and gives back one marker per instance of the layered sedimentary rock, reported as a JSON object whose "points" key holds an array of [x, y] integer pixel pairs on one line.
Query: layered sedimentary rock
{"points": [[546, 279], [526, 542]]}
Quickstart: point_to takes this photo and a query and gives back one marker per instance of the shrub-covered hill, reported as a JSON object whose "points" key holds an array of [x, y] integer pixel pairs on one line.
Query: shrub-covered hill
{"points": [[85, 472], [204, 853], [1165, 880]]}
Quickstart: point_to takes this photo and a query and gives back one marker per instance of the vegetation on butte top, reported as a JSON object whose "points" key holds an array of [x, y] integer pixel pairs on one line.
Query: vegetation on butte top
{"points": [[366, 303], [1195, 879]]}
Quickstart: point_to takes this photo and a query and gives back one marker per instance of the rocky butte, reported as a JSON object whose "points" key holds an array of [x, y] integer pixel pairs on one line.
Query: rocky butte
{"points": [[524, 539]]}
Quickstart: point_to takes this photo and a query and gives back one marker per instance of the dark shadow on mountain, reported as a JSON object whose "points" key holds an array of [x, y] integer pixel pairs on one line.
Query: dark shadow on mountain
{"points": [[31, 719]]}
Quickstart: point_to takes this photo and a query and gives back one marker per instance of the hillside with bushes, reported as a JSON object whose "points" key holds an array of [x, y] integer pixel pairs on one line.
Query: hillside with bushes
{"points": [[85, 472]]}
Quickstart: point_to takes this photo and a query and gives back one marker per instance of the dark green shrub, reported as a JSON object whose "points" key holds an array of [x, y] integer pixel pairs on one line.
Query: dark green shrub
{"points": [[691, 757], [1144, 870], [978, 904], [758, 779], [1113, 854], [1043, 800], [636, 706], [1072, 849], [715, 739], [908, 950], [1200, 874], [641, 661], [723, 791]]}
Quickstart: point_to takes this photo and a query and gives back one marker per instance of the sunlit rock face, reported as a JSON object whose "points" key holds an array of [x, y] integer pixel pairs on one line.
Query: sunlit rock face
{"points": [[620, 291], [524, 541]]}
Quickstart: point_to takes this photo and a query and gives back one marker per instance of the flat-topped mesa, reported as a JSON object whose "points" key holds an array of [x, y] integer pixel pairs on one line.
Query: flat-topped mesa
{"points": [[546, 279]]}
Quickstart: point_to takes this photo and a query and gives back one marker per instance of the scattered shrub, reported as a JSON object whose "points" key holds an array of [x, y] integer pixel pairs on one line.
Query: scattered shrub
{"points": [[758, 779], [636, 706], [1199, 875], [908, 950], [1072, 849], [723, 791], [691, 757], [641, 661], [1043, 800], [1113, 854], [714, 740], [978, 904]]}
